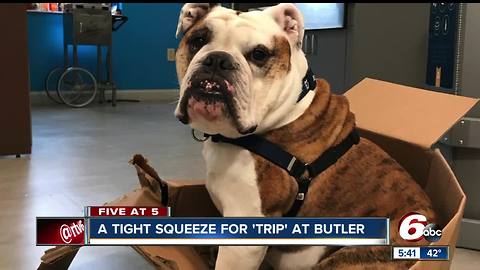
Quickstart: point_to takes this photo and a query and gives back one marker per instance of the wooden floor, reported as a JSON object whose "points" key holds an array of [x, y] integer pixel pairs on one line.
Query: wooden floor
{"points": [[80, 158]]}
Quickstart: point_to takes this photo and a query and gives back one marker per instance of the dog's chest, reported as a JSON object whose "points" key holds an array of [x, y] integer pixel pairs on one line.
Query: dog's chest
{"points": [[232, 180]]}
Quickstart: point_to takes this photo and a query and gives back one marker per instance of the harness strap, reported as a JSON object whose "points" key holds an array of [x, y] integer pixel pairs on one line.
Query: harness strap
{"points": [[268, 150], [301, 171], [327, 159], [164, 191], [141, 162]]}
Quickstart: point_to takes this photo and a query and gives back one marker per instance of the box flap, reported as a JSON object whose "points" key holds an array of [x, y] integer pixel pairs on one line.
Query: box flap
{"points": [[442, 181], [406, 113]]}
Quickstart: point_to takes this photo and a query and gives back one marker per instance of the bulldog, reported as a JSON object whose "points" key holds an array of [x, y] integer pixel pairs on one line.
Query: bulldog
{"points": [[241, 73]]}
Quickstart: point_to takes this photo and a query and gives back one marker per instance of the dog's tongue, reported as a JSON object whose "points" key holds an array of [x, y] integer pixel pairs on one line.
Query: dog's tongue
{"points": [[210, 111]]}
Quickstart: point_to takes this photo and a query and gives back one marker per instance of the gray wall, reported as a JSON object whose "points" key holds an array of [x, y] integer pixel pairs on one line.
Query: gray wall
{"points": [[388, 42], [328, 59], [471, 59], [381, 41]]}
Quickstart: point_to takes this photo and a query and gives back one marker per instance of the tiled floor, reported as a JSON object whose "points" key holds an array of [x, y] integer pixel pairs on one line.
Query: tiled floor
{"points": [[80, 158]]}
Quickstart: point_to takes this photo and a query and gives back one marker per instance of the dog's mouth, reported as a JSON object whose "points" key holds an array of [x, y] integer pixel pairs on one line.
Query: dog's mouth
{"points": [[210, 97]]}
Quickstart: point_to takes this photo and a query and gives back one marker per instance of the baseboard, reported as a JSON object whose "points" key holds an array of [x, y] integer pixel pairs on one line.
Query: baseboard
{"points": [[39, 98], [148, 95], [167, 95], [469, 236]]}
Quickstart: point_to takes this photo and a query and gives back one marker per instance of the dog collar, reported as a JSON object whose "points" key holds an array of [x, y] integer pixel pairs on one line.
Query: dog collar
{"points": [[303, 172], [308, 84]]}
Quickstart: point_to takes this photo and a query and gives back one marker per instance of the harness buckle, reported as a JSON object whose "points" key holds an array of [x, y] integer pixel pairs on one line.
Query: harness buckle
{"points": [[296, 168], [291, 163], [300, 196]]}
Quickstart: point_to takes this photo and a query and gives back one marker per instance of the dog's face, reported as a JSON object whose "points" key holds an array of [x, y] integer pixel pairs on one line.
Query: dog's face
{"points": [[235, 68]]}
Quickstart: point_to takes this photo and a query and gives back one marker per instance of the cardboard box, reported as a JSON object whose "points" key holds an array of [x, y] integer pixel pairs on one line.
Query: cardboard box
{"points": [[404, 121]]}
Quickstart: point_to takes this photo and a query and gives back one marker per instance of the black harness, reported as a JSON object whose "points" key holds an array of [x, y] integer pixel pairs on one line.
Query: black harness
{"points": [[302, 172]]}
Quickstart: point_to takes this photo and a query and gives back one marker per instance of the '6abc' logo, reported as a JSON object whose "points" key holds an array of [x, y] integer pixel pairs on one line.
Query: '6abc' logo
{"points": [[414, 226]]}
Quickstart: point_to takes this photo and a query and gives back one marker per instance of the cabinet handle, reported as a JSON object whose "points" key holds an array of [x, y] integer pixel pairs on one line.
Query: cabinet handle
{"points": [[312, 39]]}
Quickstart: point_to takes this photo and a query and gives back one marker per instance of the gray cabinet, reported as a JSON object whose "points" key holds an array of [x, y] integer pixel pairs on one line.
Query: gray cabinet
{"points": [[464, 138]]}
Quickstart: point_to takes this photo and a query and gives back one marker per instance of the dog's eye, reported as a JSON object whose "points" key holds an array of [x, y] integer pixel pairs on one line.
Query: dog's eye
{"points": [[259, 55], [197, 43], [198, 39]]}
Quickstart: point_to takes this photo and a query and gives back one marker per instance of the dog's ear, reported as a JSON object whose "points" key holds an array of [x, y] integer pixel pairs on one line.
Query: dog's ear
{"points": [[290, 19], [191, 13]]}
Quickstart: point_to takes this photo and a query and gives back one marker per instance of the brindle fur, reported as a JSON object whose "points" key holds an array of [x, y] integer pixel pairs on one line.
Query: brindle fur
{"points": [[278, 65], [365, 182]]}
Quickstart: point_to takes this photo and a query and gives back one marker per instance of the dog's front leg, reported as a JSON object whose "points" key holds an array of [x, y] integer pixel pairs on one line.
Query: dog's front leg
{"points": [[240, 257]]}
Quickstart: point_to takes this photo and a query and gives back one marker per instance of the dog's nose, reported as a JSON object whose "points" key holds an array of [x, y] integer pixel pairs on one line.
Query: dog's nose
{"points": [[219, 61]]}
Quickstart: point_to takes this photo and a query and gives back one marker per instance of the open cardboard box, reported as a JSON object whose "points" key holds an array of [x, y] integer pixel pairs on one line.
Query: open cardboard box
{"points": [[404, 121]]}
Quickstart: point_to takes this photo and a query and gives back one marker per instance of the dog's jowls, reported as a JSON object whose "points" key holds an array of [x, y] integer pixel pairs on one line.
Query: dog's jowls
{"points": [[241, 73]]}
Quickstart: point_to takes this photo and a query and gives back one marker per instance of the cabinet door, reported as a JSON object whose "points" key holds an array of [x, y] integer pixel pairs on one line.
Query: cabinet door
{"points": [[465, 136], [15, 123]]}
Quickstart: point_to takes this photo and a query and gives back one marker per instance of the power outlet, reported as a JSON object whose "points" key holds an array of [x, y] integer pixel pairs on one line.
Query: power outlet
{"points": [[171, 54]]}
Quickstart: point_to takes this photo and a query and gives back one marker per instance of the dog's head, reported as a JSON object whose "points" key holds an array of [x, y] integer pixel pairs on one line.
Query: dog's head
{"points": [[236, 68]]}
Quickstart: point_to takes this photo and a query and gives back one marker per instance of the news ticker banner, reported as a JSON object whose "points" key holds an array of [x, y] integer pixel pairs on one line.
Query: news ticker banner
{"points": [[153, 226], [238, 231]]}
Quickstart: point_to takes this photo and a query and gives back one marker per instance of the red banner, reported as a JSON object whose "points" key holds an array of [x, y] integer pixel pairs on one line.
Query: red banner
{"points": [[60, 231], [127, 211]]}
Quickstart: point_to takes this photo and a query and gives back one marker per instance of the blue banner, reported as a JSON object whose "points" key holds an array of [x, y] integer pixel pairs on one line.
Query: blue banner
{"points": [[434, 253], [233, 231]]}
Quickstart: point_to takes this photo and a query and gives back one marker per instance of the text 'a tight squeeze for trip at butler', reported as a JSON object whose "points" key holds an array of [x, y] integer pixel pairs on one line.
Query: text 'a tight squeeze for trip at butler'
{"points": [[238, 228]]}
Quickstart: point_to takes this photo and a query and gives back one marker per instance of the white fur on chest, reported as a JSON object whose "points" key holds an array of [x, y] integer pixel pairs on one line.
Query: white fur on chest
{"points": [[232, 180]]}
